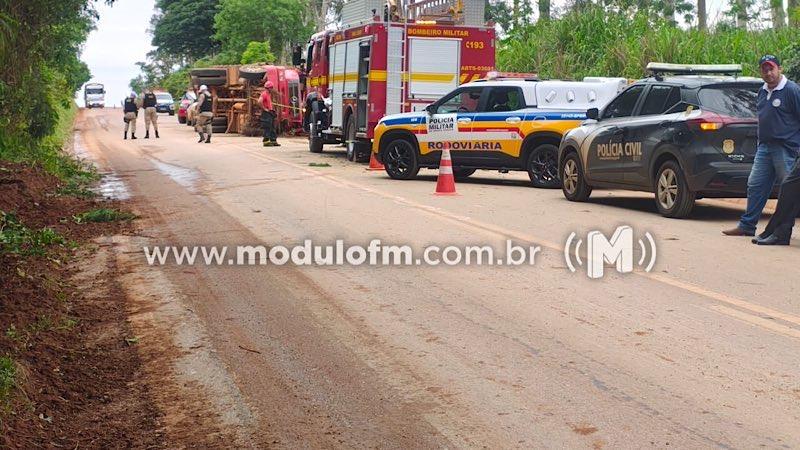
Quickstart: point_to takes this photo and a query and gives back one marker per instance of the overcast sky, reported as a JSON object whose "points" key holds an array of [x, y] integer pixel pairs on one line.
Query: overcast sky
{"points": [[121, 39]]}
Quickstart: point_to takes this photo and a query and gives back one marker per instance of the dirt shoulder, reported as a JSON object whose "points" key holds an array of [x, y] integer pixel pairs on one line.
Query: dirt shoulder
{"points": [[76, 367]]}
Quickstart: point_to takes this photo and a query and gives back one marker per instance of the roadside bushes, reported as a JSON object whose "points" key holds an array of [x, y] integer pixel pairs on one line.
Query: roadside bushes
{"points": [[592, 41]]}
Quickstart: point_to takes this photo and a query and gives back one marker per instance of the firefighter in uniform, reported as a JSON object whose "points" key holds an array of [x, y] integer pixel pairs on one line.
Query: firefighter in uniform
{"points": [[205, 114], [131, 111], [150, 114], [268, 116]]}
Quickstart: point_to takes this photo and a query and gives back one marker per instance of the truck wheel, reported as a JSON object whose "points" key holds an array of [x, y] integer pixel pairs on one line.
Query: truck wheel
{"points": [[219, 121], [219, 129], [542, 166], [350, 139], [673, 197], [462, 174], [573, 183], [400, 159], [315, 144]]}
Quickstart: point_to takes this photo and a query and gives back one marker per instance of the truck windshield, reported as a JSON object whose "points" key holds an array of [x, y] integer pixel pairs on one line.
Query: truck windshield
{"points": [[733, 101], [94, 91]]}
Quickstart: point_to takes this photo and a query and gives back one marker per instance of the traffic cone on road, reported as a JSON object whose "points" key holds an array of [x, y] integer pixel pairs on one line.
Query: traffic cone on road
{"points": [[373, 163], [446, 182]]}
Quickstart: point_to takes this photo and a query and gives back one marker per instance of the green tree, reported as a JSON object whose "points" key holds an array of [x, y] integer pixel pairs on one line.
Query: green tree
{"points": [[257, 52], [185, 28], [279, 22]]}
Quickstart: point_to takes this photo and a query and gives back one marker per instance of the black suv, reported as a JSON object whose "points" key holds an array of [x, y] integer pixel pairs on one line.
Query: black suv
{"points": [[683, 137]]}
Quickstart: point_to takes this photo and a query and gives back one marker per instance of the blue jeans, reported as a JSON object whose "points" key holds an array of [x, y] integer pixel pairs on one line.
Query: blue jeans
{"points": [[771, 164]]}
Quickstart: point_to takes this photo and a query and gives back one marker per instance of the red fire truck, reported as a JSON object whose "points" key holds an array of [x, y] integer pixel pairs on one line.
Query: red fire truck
{"points": [[357, 75]]}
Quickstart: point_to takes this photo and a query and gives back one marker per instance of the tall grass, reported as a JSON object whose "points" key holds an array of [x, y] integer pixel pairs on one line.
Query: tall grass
{"points": [[595, 42]]}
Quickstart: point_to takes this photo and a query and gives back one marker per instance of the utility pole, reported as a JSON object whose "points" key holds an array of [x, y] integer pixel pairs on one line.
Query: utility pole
{"points": [[702, 15], [778, 14]]}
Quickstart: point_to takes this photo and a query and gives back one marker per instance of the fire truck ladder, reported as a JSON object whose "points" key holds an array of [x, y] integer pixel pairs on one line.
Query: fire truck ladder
{"points": [[396, 60]]}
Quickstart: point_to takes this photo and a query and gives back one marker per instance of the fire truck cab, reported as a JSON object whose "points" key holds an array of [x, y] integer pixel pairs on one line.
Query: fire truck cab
{"points": [[388, 65]]}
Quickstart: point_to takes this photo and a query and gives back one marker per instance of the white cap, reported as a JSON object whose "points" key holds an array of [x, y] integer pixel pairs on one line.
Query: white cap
{"points": [[204, 88], [133, 94]]}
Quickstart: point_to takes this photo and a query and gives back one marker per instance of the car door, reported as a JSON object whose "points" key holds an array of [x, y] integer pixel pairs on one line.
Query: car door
{"points": [[451, 121], [604, 161], [496, 135], [647, 131]]}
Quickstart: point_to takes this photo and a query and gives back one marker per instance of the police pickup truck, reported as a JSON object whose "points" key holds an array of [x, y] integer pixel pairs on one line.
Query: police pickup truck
{"points": [[685, 136], [499, 123]]}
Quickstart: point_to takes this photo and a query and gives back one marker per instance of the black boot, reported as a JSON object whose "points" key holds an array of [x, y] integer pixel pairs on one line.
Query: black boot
{"points": [[147, 134], [275, 144], [126, 135], [208, 139], [772, 239], [157, 134], [133, 136], [202, 138]]}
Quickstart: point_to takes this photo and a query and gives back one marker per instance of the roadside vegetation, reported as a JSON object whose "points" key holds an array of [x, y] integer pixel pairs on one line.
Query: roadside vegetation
{"points": [[592, 41]]}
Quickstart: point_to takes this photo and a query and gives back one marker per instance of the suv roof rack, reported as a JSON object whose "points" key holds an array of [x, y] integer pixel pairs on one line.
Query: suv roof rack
{"points": [[693, 69]]}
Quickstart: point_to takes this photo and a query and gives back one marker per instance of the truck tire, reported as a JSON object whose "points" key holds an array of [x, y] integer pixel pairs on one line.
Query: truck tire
{"points": [[213, 81], [573, 182], [350, 139], [315, 144], [462, 174], [219, 121], [219, 129], [542, 166], [673, 197], [209, 72], [399, 158]]}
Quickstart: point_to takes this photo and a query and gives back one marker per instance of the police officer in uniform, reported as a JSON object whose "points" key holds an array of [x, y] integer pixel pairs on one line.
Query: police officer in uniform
{"points": [[205, 114], [150, 114], [130, 112]]}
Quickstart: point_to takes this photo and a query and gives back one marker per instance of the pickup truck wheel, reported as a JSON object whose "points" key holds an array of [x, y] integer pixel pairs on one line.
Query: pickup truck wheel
{"points": [[542, 167], [673, 197], [400, 159], [573, 183]]}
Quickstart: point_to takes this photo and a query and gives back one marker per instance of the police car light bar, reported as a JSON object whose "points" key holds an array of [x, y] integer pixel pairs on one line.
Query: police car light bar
{"points": [[495, 75], [694, 69]]}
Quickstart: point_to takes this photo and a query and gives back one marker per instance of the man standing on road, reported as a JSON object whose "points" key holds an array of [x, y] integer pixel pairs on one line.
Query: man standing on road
{"points": [[779, 228], [150, 114], [130, 111], [268, 116], [205, 114], [778, 141]]}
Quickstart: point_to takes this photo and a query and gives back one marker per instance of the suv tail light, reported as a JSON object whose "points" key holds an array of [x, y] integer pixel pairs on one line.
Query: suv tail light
{"points": [[710, 121]]}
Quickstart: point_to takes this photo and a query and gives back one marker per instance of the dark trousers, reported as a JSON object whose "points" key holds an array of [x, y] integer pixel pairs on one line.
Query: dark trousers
{"points": [[268, 122], [788, 207]]}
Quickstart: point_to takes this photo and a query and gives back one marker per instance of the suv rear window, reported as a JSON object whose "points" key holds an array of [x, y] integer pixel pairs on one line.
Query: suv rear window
{"points": [[734, 101]]}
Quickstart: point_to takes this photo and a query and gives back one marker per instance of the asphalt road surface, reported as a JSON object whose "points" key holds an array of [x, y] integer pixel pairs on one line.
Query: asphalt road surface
{"points": [[700, 352]]}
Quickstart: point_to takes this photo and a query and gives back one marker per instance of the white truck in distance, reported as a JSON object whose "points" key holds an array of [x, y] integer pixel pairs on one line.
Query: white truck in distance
{"points": [[94, 95]]}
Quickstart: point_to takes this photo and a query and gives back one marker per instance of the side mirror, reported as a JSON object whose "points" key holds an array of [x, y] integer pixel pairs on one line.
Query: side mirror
{"points": [[592, 113], [431, 109]]}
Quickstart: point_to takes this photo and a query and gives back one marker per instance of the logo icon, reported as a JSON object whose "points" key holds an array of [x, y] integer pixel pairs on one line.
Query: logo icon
{"points": [[619, 250], [776, 103]]}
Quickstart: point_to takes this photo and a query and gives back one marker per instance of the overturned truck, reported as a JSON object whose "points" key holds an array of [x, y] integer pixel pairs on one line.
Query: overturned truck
{"points": [[235, 91]]}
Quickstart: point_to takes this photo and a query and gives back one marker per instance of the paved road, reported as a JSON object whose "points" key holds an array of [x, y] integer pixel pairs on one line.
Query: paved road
{"points": [[700, 352]]}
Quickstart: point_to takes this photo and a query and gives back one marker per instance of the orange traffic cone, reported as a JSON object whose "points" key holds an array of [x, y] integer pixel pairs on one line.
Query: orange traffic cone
{"points": [[373, 163], [446, 182]]}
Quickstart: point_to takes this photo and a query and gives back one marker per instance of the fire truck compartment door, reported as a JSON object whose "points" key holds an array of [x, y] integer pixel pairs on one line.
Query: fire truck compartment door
{"points": [[434, 67]]}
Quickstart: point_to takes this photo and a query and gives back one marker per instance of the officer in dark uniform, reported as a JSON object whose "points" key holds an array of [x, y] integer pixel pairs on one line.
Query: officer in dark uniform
{"points": [[150, 113], [130, 111]]}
